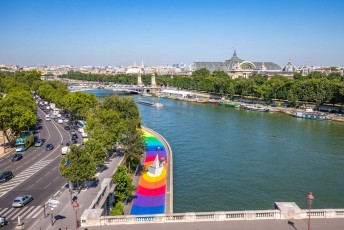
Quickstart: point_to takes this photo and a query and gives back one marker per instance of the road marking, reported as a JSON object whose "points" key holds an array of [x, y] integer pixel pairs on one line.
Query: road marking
{"points": [[15, 211], [46, 186], [28, 210], [4, 210], [19, 213], [25, 212], [31, 213], [23, 176], [39, 212]]}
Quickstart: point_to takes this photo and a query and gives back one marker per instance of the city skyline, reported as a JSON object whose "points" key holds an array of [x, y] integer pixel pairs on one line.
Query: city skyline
{"points": [[115, 33]]}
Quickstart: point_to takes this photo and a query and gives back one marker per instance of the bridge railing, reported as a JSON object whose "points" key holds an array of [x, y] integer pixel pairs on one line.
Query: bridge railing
{"points": [[209, 216]]}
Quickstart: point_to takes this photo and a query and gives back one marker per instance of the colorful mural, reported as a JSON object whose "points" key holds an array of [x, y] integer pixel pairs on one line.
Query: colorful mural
{"points": [[151, 191]]}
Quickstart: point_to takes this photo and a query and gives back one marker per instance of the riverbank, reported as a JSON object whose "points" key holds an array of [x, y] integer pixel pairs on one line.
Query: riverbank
{"points": [[206, 100]]}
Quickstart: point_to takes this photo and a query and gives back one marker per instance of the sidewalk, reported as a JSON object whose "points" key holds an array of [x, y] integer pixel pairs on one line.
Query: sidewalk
{"points": [[64, 215]]}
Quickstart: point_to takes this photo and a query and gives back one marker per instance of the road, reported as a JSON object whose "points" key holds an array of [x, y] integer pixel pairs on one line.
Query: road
{"points": [[36, 174]]}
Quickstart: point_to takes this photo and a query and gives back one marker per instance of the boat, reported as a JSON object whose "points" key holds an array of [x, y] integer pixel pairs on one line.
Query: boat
{"points": [[312, 115], [256, 108], [153, 104], [227, 104]]}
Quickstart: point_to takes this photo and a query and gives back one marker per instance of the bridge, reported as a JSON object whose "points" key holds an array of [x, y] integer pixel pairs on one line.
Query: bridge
{"points": [[125, 89]]}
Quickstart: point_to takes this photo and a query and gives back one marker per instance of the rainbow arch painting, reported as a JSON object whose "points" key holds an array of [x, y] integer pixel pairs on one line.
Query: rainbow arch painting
{"points": [[151, 191]]}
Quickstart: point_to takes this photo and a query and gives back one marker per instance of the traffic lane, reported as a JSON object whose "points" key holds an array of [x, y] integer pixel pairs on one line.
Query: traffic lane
{"points": [[31, 155], [42, 185]]}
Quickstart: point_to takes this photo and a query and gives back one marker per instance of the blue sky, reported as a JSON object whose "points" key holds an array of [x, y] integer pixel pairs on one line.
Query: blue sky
{"points": [[100, 32]]}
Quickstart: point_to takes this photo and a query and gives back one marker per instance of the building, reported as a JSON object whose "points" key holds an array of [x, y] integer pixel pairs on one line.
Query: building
{"points": [[237, 67]]}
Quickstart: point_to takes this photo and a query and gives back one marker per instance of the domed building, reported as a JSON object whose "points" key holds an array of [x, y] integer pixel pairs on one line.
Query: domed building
{"points": [[237, 67]]}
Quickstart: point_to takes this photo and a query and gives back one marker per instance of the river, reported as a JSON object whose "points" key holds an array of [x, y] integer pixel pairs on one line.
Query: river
{"points": [[228, 159]]}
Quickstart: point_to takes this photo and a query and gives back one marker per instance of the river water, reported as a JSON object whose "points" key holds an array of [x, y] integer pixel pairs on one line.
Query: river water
{"points": [[228, 159]]}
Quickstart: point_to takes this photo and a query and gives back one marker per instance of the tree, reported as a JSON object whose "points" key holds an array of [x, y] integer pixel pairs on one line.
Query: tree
{"points": [[77, 165], [105, 126], [123, 182], [96, 150], [133, 146]]}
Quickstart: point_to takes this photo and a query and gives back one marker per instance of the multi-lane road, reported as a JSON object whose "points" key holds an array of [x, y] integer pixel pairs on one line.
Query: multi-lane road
{"points": [[36, 174]]}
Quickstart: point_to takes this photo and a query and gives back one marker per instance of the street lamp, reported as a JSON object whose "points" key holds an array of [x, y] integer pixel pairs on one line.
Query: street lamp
{"points": [[75, 205], [310, 199]]}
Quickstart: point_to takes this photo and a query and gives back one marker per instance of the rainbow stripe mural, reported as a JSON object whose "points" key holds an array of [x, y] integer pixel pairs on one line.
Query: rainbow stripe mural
{"points": [[151, 191]]}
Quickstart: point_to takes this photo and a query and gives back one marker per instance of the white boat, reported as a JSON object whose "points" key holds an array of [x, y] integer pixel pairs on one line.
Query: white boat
{"points": [[155, 104], [256, 108]]}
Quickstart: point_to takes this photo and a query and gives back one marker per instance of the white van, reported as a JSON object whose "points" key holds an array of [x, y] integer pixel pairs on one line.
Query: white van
{"points": [[47, 117], [65, 150]]}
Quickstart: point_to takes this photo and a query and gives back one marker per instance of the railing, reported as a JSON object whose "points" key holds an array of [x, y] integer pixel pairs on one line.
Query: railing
{"points": [[210, 216]]}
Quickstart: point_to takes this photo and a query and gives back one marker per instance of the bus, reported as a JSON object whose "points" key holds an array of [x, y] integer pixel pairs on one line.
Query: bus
{"points": [[24, 142]]}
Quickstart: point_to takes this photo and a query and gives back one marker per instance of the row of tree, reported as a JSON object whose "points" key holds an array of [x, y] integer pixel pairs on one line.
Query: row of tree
{"points": [[317, 87], [17, 105]]}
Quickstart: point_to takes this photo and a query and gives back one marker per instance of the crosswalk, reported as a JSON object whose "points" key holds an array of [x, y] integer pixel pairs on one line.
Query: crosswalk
{"points": [[9, 185], [25, 212]]}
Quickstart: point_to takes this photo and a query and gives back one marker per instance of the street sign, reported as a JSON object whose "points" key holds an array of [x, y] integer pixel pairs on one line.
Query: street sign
{"points": [[53, 203]]}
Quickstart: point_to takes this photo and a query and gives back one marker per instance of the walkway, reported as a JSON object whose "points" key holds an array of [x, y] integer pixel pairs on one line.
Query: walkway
{"points": [[64, 215], [151, 192]]}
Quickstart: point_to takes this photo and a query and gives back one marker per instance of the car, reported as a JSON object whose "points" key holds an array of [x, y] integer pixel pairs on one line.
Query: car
{"points": [[72, 132], [84, 135], [17, 157], [67, 143], [49, 147], [67, 127], [81, 130], [39, 143], [3, 221], [74, 141], [70, 123], [20, 201], [6, 176], [74, 136], [66, 120], [60, 121], [76, 127]]}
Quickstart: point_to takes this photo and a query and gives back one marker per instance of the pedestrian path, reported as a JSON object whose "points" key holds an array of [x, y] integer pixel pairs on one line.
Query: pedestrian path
{"points": [[9, 185], [25, 212], [151, 191]]}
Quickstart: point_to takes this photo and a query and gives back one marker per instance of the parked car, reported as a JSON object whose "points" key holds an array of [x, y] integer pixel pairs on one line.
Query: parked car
{"points": [[72, 132], [70, 123], [39, 143], [66, 120], [74, 141], [6, 176], [17, 157], [76, 127], [67, 127], [49, 147], [80, 130], [3, 221], [84, 135], [60, 121], [20, 201], [74, 136]]}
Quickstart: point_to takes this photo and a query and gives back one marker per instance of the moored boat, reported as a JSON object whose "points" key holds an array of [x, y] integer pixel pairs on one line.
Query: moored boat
{"points": [[256, 108], [312, 115]]}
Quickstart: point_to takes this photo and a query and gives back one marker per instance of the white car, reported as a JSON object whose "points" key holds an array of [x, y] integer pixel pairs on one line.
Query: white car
{"points": [[20, 201], [83, 134], [80, 130], [59, 115], [60, 121], [66, 120], [65, 150]]}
